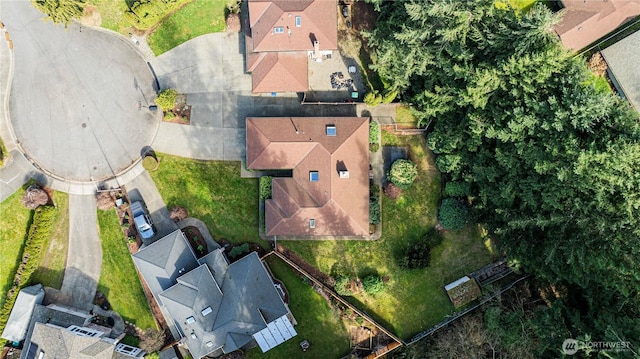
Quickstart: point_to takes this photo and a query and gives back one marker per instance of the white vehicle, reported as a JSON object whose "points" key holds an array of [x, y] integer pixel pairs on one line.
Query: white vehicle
{"points": [[142, 220]]}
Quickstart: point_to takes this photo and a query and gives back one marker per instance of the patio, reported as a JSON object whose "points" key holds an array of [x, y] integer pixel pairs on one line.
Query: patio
{"points": [[331, 81]]}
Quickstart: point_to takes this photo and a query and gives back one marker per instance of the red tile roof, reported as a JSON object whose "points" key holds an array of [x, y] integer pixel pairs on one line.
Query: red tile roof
{"points": [[278, 59], [584, 22], [339, 206]]}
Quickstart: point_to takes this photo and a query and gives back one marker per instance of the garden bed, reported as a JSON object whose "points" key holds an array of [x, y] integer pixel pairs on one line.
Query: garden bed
{"points": [[196, 241]]}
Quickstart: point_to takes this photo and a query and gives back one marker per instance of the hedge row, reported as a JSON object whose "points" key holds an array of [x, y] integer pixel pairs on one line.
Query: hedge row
{"points": [[39, 232]]}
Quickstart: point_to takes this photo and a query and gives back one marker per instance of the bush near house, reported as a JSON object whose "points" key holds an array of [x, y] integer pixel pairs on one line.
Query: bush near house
{"points": [[403, 173], [452, 214], [373, 98], [265, 187]]}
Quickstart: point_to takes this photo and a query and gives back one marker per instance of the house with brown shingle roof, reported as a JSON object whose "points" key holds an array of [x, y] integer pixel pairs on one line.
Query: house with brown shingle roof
{"points": [[282, 35], [584, 22], [328, 193]]}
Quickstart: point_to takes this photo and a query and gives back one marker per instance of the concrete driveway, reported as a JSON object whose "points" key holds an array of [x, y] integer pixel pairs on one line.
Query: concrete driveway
{"points": [[210, 71], [84, 261], [143, 189], [78, 96]]}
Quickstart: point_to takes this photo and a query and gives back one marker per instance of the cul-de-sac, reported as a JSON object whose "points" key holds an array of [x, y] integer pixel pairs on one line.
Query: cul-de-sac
{"points": [[331, 179]]}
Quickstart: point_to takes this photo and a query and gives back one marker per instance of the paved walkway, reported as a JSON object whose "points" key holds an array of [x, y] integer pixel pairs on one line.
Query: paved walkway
{"points": [[84, 259]]}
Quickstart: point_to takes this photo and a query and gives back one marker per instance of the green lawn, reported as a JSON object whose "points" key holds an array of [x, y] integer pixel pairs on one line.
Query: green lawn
{"points": [[194, 19], [413, 300], [317, 322], [118, 278], [213, 192], [51, 270], [14, 225], [112, 14]]}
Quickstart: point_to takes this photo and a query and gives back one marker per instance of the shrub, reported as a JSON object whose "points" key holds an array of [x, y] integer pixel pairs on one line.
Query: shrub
{"points": [[239, 250], [151, 340], [178, 213], [452, 214], [403, 173], [34, 197], [457, 189], [374, 147], [167, 99], [233, 6], [104, 201], [391, 190], [418, 255], [169, 115], [372, 284], [39, 232], [374, 132], [389, 96], [375, 212], [265, 187], [343, 286], [373, 98]]}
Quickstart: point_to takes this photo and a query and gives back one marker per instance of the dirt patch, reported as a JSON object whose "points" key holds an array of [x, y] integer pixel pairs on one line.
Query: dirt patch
{"points": [[233, 23], [363, 16], [91, 17], [196, 241]]}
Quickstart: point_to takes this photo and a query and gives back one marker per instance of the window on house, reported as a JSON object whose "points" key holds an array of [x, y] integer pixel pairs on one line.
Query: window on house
{"points": [[312, 223], [331, 130], [298, 21], [313, 176], [278, 30]]}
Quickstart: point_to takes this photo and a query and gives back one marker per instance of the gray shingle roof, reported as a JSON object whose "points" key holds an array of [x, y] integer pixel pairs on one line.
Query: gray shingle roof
{"points": [[163, 261], [622, 58], [18, 322]]}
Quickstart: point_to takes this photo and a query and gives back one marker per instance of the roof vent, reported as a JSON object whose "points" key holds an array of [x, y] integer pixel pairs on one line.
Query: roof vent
{"points": [[331, 130], [344, 174], [206, 311]]}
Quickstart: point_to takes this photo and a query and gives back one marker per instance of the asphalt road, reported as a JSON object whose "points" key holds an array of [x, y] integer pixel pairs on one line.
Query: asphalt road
{"points": [[79, 96]]}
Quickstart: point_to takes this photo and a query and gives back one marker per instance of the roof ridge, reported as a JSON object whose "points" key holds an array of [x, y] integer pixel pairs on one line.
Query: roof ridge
{"points": [[349, 137]]}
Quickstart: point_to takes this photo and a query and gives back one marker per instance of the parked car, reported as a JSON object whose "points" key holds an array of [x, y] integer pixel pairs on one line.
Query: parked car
{"points": [[142, 220]]}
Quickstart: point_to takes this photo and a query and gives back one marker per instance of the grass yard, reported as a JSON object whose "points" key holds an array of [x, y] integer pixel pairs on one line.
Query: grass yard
{"points": [[112, 14], [317, 322], [413, 300], [213, 192], [118, 278], [51, 270], [14, 225], [197, 18]]}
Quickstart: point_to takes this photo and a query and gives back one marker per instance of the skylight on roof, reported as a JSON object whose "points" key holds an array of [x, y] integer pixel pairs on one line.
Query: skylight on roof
{"points": [[278, 30], [331, 130], [312, 223], [313, 176], [209, 344], [206, 311], [190, 320], [298, 21]]}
